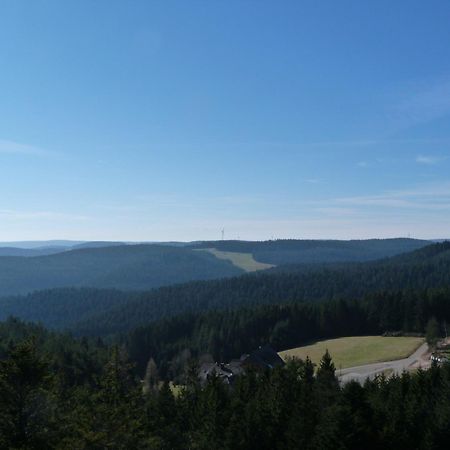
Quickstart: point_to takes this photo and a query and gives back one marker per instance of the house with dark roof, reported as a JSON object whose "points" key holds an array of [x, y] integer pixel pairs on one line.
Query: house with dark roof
{"points": [[264, 358], [220, 370]]}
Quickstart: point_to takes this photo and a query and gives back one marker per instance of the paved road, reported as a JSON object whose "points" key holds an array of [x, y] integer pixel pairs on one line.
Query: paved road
{"points": [[360, 373]]}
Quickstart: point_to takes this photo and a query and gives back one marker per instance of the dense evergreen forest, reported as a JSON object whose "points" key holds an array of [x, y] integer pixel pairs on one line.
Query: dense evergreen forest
{"points": [[228, 334], [293, 251], [146, 266], [63, 308], [425, 268], [44, 405], [74, 360], [108, 387], [90, 311], [128, 267]]}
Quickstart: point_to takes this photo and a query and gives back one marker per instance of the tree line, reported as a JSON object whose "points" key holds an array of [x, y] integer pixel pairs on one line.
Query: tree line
{"points": [[102, 312], [223, 335], [423, 269], [285, 408]]}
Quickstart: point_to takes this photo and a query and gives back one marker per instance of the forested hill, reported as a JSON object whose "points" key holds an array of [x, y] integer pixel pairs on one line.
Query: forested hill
{"points": [[30, 252], [425, 268], [146, 266], [227, 334], [62, 308], [125, 267], [274, 252], [61, 393], [41, 248], [292, 251], [101, 312], [431, 255]]}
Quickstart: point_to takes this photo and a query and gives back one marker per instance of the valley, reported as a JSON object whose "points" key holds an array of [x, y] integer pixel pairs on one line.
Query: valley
{"points": [[204, 308]]}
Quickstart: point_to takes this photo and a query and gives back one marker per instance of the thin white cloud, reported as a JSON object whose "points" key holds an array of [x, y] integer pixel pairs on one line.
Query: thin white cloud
{"points": [[426, 197], [336, 211], [422, 104], [16, 148], [430, 160], [36, 215], [375, 200]]}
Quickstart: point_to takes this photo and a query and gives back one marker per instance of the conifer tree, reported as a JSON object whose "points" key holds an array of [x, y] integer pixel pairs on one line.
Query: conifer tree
{"points": [[151, 378], [432, 332], [25, 399], [327, 384]]}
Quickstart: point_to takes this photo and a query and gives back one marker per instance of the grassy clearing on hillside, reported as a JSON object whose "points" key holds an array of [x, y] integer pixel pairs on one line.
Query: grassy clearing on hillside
{"points": [[358, 350], [244, 261]]}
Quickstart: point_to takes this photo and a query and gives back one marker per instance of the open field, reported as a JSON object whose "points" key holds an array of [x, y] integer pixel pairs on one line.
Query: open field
{"points": [[244, 261], [358, 350]]}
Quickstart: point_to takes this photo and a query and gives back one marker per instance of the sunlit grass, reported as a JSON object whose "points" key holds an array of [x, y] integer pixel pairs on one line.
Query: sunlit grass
{"points": [[358, 350], [244, 261]]}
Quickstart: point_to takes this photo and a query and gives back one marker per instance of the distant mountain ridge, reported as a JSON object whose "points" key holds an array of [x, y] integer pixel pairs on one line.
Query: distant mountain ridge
{"points": [[422, 269], [89, 311], [30, 252], [131, 266], [41, 244], [295, 251], [127, 267]]}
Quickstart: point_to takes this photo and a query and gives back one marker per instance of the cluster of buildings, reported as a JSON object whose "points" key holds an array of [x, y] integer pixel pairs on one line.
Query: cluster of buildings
{"points": [[262, 359], [440, 357], [442, 353]]}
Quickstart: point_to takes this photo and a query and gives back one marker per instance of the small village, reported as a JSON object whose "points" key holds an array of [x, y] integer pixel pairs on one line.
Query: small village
{"points": [[263, 358]]}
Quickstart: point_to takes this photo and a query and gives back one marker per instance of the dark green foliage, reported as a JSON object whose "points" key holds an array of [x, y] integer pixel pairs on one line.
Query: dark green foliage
{"points": [[125, 267], [26, 405], [228, 334], [420, 270], [57, 392], [432, 331], [104, 312], [112, 416], [291, 251], [61, 308], [75, 362], [282, 409]]}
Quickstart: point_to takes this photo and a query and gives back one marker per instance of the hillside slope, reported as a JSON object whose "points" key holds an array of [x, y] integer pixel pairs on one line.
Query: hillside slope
{"points": [[30, 252], [103, 312], [422, 269], [125, 267], [62, 307], [293, 251]]}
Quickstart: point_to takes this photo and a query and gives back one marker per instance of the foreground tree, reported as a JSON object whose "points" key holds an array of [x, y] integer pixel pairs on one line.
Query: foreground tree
{"points": [[26, 404], [432, 332]]}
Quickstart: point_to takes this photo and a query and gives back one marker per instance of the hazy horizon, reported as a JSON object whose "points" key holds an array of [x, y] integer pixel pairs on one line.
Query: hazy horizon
{"points": [[30, 244]]}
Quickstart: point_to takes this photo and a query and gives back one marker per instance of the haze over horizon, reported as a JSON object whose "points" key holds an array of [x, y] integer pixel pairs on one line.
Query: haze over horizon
{"points": [[169, 121]]}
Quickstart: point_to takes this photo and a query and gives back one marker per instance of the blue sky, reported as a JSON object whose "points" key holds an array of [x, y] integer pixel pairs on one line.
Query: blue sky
{"points": [[170, 120]]}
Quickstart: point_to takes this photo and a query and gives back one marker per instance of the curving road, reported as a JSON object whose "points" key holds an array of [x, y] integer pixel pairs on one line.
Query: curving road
{"points": [[360, 373]]}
